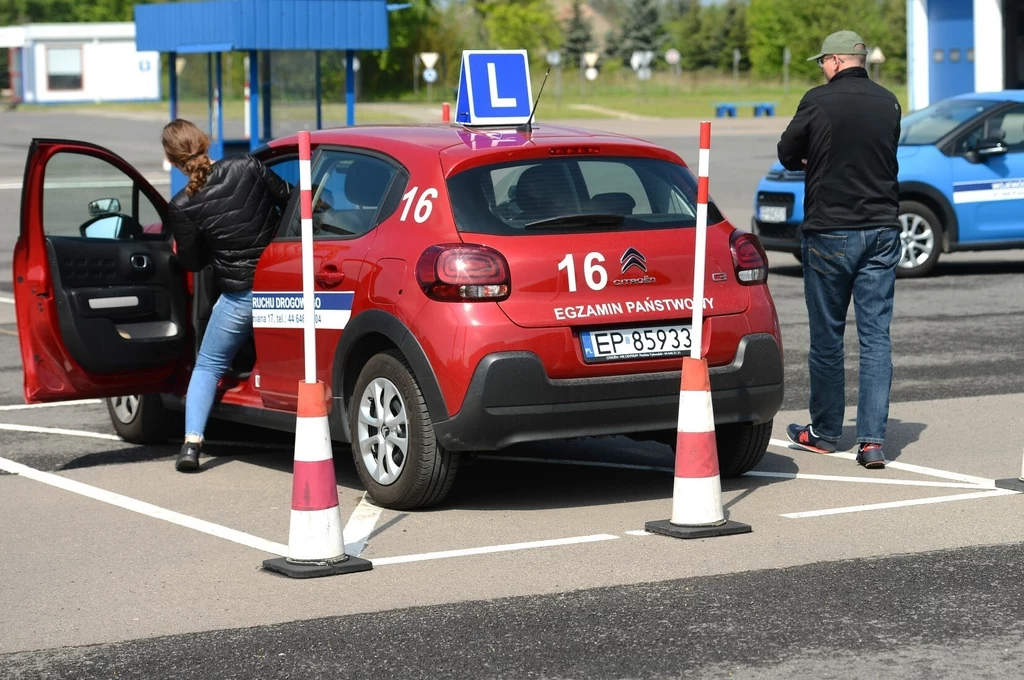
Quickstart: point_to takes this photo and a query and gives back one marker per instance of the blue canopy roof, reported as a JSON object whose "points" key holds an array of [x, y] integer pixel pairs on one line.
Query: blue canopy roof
{"points": [[242, 25]]}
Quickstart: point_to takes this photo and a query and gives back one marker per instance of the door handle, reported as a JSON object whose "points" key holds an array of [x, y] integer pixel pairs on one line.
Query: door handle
{"points": [[329, 276]]}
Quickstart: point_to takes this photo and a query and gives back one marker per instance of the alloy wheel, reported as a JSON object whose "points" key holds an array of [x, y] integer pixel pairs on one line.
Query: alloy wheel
{"points": [[383, 431], [918, 240], [126, 409]]}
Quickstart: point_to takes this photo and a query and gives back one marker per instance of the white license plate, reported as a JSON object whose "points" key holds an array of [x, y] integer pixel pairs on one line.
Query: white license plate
{"points": [[772, 213], [635, 343]]}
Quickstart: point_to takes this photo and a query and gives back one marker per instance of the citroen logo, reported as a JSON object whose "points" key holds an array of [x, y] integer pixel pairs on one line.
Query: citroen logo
{"points": [[633, 258]]}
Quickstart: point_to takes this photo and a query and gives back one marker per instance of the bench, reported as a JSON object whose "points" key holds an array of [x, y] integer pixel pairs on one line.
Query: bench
{"points": [[723, 109]]}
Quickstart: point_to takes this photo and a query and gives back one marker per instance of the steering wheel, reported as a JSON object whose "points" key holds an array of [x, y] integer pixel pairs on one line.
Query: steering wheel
{"points": [[126, 228]]}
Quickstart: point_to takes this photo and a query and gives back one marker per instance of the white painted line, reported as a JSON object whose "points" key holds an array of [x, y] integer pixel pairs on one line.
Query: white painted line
{"points": [[582, 463], [143, 508], [639, 532], [896, 465], [6, 300], [360, 526], [25, 407], [492, 549], [862, 480], [900, 504], [35, 429]]}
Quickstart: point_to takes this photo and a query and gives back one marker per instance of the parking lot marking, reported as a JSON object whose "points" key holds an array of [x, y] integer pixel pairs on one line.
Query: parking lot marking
{"points": [[25, 407], [900, 504], [443, 554], [4, 331], [10, 427], [98, 184], [896, 465], [360, 526], [864, 480], [143, 508], [7, 300], [639, 532]]}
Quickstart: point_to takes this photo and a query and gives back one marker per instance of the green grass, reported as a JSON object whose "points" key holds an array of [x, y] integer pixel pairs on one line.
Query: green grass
{"points": [[611, 96]]}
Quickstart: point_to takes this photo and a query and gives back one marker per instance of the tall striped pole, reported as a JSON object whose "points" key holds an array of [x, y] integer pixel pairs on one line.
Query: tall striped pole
{"points": [[697, 510], [316, 541]]}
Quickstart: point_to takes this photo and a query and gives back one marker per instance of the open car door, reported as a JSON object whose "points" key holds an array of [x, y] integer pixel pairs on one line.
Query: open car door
{"points": [[100, 297]]}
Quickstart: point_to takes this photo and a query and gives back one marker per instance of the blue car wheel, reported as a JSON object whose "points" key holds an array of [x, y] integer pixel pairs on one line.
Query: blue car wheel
{"points": [[921, 235]]}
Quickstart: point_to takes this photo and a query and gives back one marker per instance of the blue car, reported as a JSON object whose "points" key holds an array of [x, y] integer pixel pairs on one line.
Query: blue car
{"points": [[961, 183]]}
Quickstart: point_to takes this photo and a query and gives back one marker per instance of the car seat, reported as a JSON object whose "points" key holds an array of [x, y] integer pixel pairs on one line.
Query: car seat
{"points": [[615, 203], [544, 191]]}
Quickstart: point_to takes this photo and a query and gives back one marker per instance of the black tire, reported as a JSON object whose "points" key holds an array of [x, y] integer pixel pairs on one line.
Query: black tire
{"points": [[428, 470], [741, 446], [148, 422], [908, 209]]}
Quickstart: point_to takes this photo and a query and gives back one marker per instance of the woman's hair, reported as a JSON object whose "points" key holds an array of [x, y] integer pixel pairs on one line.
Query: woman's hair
{"points": [[186, 146]]}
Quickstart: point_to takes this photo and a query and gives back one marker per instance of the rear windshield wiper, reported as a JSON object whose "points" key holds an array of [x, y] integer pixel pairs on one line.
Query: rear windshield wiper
{"points": [[591, 220]]}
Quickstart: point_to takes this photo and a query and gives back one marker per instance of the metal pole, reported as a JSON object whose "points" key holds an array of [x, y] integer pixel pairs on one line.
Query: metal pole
{"points": [[267, 129], [318, 92], [172, 83], [254, 99], [220, 101], [209, 93], [350, 88]]}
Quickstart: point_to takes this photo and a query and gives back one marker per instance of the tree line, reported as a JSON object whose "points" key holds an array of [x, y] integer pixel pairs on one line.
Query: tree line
{"points": [[705, 35]]}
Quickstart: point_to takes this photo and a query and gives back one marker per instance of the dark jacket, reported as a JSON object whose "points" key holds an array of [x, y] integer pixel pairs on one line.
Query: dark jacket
{"points": [[229, 222], [847, 130]]}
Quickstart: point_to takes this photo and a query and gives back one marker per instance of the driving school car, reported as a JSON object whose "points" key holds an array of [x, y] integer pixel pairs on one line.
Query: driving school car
{"points": [[474, 290], [961, 183]]}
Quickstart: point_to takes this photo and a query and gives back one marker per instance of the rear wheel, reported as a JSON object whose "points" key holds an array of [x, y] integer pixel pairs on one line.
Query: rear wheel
{"points": [[139, 419], [741, 446], [398, 459]]}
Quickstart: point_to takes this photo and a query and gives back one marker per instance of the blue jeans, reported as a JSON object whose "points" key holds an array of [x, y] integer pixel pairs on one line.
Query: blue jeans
{"points": [[838, 264], [229, 327]]}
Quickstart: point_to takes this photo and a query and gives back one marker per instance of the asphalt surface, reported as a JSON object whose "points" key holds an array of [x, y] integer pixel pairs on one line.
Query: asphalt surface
{"points": [[93, 591]]}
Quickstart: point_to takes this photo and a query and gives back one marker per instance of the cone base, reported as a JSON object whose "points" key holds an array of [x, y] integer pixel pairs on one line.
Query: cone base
{"points": [[666, 528], [1013, 484], [301, 570]]}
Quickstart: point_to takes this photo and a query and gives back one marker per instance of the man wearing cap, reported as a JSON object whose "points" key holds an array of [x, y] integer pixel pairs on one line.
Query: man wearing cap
{"points": [[844, 135]]}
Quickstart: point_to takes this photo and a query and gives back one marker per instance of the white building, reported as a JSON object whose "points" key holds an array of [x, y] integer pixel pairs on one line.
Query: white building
{"points": [[957, 46], [87, 62]]}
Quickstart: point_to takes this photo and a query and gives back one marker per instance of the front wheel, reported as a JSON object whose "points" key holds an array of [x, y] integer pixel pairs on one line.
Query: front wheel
{"points": [[921, 239], [399, 461], [139, 419]]}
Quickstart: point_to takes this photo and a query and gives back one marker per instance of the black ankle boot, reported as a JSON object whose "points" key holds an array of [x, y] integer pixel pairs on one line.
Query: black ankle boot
{"points": [[188, 459]]}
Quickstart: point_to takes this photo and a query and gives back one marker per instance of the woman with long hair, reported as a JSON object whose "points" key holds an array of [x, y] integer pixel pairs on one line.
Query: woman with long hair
{"points": [[224, 218]]}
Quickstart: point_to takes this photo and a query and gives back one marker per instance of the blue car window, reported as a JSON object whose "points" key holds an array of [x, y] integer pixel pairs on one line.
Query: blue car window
{"points": [[931, 124]]}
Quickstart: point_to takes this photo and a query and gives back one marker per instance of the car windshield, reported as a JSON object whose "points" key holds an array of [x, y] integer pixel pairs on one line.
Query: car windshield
{"points": [[932, 123], [578, 194]]}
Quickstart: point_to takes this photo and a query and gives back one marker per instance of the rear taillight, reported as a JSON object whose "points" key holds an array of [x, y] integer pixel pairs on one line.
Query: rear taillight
{"points": [[463, 273], [748, 258]]}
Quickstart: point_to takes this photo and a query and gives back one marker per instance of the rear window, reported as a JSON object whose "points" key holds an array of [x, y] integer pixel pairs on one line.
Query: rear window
{"points": [[504, 198]]}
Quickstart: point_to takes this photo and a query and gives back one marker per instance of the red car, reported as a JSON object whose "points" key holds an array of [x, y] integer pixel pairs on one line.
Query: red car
{"points": [[475, 289]]}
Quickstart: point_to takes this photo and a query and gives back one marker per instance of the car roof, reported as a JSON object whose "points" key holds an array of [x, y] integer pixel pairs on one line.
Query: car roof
{"points": [[457, 144], [1001, 95]]}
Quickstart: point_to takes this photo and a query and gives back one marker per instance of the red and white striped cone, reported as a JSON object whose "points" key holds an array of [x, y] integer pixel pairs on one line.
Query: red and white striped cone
{"points": [[697, 510], [1011, 483], [316, 542]]}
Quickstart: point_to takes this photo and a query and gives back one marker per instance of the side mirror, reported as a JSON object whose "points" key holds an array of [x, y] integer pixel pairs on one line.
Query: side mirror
{"points": [[104, 206]]}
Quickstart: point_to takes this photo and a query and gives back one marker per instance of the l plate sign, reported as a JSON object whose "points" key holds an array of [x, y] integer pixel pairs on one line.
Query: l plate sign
{"points": [[494, 88]]}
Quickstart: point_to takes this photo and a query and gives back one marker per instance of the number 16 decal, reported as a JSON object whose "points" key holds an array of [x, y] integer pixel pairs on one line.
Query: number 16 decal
{"points": [[423, 207], [595, 275]]}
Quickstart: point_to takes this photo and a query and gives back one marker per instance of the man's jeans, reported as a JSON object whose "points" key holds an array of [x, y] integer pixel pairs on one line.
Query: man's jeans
{"points": [[861, 262], [229, 327]]}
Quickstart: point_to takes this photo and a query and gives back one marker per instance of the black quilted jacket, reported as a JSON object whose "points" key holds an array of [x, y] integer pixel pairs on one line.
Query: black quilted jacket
{"points": [[229, 222]]}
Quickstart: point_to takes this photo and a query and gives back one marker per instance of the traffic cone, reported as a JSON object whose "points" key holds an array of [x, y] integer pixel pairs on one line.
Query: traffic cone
{"points": [[697, 510], [1011, 483], [316, 544]]}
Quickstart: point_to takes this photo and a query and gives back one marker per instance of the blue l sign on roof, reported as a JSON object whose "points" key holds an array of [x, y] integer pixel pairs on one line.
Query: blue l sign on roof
{"points": [[494, 88]]}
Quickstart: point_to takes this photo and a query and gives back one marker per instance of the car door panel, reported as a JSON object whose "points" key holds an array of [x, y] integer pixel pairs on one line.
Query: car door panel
{"points": [[97, 316]]}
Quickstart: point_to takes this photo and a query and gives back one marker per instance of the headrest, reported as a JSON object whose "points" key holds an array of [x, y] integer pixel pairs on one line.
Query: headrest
{"points": [[618, 203]]}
